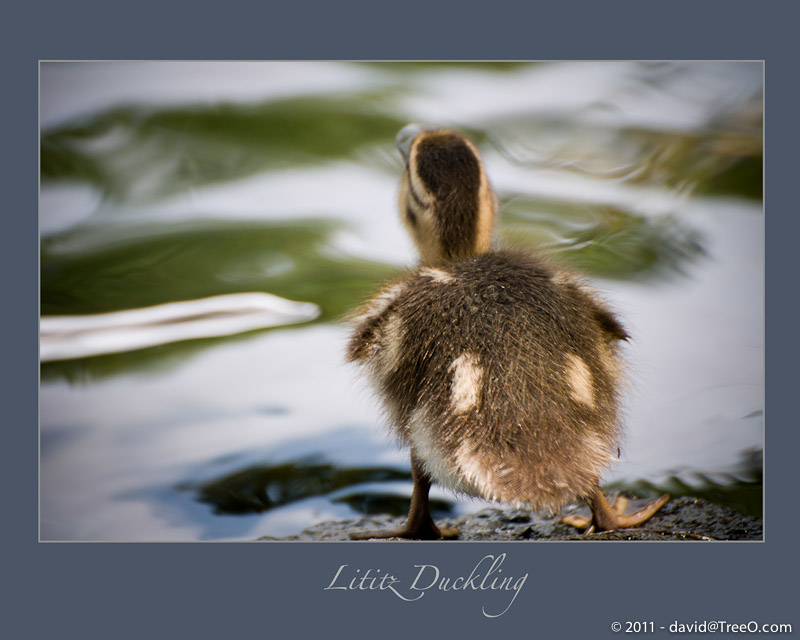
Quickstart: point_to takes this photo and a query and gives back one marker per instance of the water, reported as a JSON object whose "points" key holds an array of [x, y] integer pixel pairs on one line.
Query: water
{"points": [[166, 183]]}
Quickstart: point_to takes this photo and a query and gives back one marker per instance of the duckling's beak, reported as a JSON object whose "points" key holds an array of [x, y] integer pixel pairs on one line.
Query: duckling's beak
{"points": [[405, 137]]}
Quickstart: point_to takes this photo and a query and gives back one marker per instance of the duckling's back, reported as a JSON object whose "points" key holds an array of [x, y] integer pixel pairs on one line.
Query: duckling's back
{"points": [[501, 373]]}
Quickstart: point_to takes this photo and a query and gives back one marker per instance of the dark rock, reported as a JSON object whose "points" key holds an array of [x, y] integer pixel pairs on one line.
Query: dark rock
{"points": [[680, 519]]}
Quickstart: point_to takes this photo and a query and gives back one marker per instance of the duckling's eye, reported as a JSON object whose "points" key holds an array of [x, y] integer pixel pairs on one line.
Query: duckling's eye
{"points": [[411, 216]]}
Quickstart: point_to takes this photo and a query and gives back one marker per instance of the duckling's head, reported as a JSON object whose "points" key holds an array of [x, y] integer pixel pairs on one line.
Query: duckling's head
{"points": [[446, 203]]}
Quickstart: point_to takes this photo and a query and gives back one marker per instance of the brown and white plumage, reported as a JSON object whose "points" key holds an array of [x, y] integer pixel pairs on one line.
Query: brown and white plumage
{"points": [[498, 369]]}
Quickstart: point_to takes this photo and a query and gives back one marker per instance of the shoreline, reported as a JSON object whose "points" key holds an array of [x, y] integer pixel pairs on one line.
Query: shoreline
{"points": [[684, 518]]}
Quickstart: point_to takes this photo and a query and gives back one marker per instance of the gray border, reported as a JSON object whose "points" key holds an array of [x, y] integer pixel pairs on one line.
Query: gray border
{"points": [[218, 590]]}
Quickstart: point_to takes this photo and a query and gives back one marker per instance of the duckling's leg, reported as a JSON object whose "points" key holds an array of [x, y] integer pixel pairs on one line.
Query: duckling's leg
{"points": [[605, 517], [420, 524]]}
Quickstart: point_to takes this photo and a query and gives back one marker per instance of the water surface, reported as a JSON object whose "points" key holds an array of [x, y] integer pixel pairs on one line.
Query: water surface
{"points": [[172, 182]]}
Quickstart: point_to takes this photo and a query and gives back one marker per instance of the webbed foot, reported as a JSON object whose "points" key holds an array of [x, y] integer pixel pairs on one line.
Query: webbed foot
{"points": [[606, 517]]}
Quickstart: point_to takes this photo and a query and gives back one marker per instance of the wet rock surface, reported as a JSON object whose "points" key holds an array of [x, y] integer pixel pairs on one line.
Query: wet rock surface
{"points": [[680, 519]]}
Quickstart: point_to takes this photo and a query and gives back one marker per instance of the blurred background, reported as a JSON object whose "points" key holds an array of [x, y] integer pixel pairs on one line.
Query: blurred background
{"points": [[167, 183]]}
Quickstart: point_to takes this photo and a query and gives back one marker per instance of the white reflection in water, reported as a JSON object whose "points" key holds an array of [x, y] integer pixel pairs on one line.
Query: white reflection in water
{"points": [[62, 206], [67, 337], [675, 98], [71, 90]]}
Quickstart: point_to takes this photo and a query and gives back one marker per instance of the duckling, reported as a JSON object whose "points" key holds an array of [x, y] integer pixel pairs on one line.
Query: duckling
{"points": [[499, 370]]}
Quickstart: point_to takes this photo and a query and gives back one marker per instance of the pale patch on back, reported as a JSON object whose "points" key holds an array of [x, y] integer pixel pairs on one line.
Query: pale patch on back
{"points": [[465, 391], [562, 278], [580, 382], [437, 275], [380, 303], [477, 472], [430, 452], [390, 343], [565, 278]]}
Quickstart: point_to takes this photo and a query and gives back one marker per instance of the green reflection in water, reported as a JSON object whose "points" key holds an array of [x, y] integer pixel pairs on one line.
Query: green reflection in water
{"points": [[142, 153], [743, 176], [723, 159], [261, 488], [97, 269], [602, 241], [145, 266], [743, 492], [374, 504]]}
